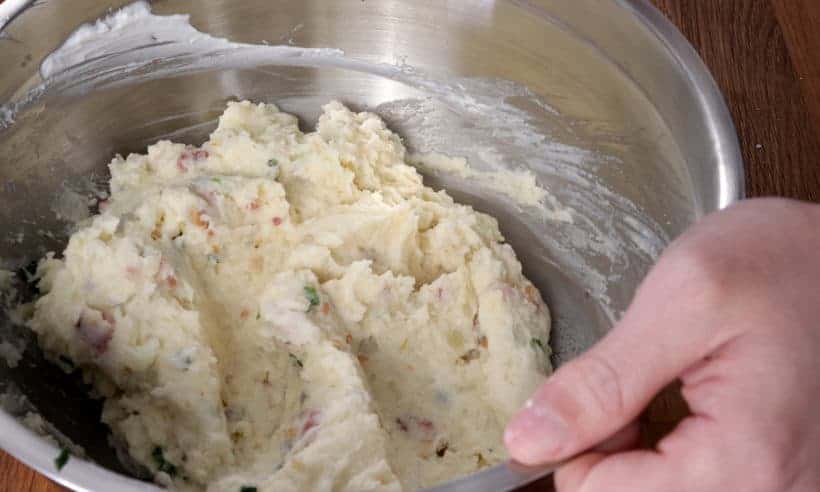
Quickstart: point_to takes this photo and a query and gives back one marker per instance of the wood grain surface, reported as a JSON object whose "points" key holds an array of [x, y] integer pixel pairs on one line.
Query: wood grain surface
{"points": [[765, 56]]}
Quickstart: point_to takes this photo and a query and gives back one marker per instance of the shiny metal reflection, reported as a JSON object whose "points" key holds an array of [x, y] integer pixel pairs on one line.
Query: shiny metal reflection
{"points": [[627, 86]]}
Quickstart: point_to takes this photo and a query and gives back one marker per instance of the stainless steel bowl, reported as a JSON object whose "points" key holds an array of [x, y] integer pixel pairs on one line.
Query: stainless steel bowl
{"points": [[602, 99]]}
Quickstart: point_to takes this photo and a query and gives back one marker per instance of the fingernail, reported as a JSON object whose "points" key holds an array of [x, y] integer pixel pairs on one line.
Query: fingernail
{"points": [[536, 434]]}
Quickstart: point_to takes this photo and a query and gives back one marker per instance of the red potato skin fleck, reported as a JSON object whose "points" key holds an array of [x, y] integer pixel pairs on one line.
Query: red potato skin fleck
{"points": [[254, 205], [311, 420], [190, 156], [325, 309], [97, 335], [277, 221], [426, 425], [102, 346], [420, 428], [165, 273]]}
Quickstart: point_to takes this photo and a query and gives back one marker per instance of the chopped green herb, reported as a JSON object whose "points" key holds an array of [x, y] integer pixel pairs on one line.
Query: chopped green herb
{"points": [[216, 180], [312, 296], [215, 259], [538, 345], [62, 459], [68, 363], [30, 277], [162, 464], [272, 162], [296, 360], [247, 488]]}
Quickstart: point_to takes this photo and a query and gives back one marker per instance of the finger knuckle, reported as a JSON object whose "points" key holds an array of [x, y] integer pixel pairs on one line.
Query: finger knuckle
{"points": [[704, 273], [601, 385]]}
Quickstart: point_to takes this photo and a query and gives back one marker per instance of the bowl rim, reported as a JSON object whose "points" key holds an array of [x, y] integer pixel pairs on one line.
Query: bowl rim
{"points": [[732, 188], [731, 168], [80, 474]]}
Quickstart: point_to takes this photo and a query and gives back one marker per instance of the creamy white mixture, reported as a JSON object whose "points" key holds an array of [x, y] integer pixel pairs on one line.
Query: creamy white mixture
{"points": [[293, 311]]}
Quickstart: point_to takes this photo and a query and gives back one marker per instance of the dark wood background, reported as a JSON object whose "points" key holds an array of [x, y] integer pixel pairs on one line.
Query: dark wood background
{"points": [[765, 56]]}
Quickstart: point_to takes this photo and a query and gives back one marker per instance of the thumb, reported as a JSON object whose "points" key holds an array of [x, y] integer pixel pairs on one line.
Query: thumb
{"points": [[595, 395], [582, 405]]}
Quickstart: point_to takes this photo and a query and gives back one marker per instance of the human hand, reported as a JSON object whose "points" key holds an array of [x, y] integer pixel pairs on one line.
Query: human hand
{"points": [[732, 309]]}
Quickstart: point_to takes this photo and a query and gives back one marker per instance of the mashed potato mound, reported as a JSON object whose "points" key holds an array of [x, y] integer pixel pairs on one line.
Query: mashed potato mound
{"points": [[293, 311]]}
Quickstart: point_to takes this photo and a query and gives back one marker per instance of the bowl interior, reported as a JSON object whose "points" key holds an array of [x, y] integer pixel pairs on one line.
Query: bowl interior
{"points": [[508, 85]]}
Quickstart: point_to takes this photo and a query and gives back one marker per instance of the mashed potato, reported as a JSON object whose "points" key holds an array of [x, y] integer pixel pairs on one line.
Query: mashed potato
{"points": [[292, 311]]}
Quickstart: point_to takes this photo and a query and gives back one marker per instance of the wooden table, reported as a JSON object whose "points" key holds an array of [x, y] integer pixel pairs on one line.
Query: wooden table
{"points": [[765, 55]]}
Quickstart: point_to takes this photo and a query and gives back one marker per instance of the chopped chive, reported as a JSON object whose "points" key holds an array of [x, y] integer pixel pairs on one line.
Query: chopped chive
{"points": [[312, 296], [272, 162], [296, 361], [62, 459], [162, 464], [247, 488], [67, 362], [538, 344], [31, 276]]}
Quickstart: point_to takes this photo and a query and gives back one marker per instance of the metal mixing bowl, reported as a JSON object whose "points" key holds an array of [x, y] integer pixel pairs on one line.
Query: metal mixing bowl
{"points": [[602, 100]]}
